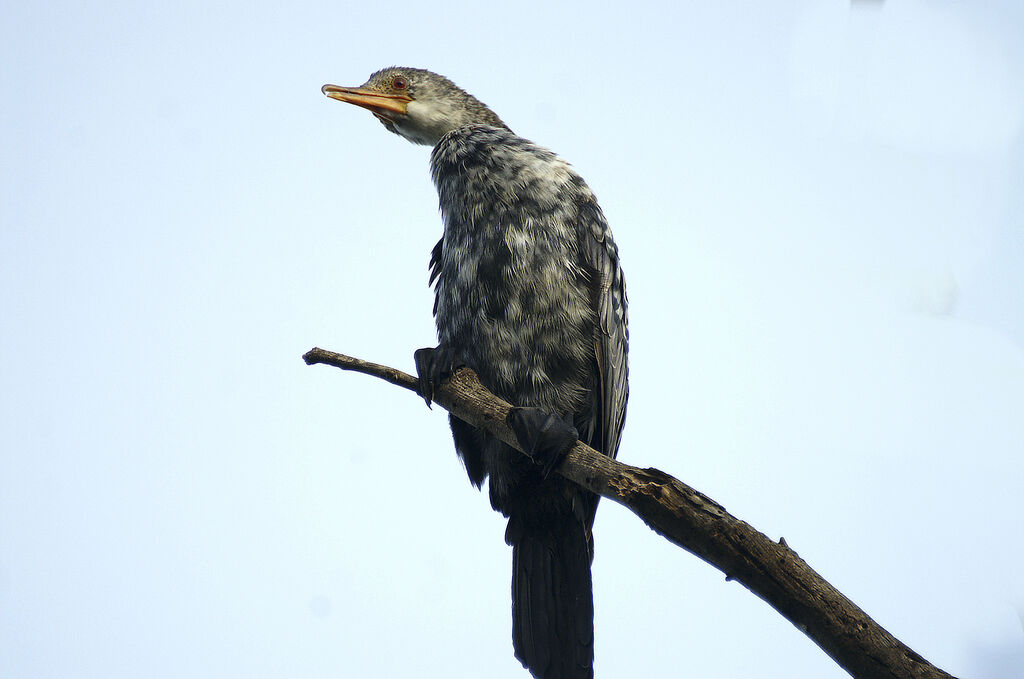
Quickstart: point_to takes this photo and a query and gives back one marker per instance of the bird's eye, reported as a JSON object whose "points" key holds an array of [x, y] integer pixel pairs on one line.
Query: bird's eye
{"points": [[400, 83]]}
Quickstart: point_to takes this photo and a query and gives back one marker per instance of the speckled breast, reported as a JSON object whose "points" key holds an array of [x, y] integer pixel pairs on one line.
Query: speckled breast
{"points": [[512, 297]]}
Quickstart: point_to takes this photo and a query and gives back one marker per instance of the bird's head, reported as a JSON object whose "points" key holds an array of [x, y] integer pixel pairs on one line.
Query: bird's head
{"points": [[416, 104]]}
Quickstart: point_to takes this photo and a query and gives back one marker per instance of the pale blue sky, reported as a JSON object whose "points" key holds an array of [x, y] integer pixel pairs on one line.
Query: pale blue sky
{"points": [[822, 226]]}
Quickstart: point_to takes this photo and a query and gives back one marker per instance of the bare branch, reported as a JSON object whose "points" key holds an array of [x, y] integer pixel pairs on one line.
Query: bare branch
{"points": [[695, 522]]}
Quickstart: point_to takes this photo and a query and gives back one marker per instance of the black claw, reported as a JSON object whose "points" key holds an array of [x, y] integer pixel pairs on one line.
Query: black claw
{"points": [[432, 366], [546, 437]]}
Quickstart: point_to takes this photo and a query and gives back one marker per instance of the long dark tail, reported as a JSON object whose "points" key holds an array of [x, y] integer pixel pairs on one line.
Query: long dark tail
{"points": [[552, 600]]}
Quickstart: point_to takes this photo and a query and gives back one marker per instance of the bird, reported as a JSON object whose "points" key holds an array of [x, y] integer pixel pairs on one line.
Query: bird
{"points": [[529, 294]]}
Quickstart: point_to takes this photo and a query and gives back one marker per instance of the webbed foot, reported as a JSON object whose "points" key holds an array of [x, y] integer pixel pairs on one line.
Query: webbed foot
{"points": [[544, 436], [433, 365]]}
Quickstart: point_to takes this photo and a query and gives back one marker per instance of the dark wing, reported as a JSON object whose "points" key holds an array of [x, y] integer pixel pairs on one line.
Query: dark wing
{"points": [[600, 258]]}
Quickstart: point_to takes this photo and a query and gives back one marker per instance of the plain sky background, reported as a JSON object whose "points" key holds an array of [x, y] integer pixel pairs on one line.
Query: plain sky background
{"points": [[821, 218]]}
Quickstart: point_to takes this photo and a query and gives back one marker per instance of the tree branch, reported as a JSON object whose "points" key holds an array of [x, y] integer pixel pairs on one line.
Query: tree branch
{"points": [[698, 524]]}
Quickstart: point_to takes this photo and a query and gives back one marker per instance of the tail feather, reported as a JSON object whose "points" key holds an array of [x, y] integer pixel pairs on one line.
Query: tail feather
{"points": [[552, 599]]}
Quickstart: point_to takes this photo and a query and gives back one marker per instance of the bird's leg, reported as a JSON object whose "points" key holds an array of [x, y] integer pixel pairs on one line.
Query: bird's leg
{"points": [[433, 365], [545, 437]]}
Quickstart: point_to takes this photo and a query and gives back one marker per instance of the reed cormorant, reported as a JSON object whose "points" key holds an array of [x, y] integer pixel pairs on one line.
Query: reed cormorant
{"points": [[530, 295]]}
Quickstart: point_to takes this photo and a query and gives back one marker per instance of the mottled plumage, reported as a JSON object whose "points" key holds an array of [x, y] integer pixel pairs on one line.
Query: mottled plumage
{"points": [[528, 293]]}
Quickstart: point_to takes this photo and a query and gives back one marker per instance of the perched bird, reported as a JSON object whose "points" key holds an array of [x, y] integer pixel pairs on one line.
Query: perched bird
{"points": [[530, 295]]}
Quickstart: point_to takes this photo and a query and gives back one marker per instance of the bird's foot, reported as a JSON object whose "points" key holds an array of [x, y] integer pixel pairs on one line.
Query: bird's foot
{"points": [[433, 365], [544, 436]]}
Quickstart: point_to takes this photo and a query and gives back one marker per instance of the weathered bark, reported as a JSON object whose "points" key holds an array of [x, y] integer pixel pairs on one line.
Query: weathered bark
{"points": [[695, 522]]}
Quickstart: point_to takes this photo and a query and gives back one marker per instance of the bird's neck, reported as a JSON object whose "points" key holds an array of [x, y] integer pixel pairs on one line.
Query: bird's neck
{"points": [[428, 122]]}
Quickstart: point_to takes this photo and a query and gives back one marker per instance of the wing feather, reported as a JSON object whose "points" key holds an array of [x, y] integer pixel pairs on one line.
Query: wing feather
{"points": [[600, 258]]}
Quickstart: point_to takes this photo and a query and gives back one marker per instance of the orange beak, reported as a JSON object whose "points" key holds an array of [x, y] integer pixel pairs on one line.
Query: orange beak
{"points": [[376, 102]]}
